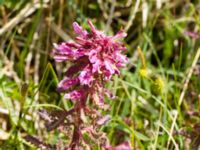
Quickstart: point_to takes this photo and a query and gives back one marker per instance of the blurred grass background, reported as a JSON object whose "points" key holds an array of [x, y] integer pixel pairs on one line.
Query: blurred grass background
{"points": [[157, 93]]}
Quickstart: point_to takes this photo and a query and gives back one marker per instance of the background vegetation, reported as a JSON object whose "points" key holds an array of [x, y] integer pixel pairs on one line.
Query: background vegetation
{"points": [[158, 93]]}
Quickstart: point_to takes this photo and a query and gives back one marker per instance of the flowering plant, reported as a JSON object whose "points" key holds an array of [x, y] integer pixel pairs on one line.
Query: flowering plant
{"points": [[95, 58]]}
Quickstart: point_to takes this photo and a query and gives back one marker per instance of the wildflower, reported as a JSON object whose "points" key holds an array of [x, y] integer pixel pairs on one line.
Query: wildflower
{"points": [[157, 85], [144, 73], [95, 58], [192, 34]]}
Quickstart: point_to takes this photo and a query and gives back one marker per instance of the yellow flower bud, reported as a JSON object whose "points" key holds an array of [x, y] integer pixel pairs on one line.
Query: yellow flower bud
{"points": [[144, 72], [157, 86]]}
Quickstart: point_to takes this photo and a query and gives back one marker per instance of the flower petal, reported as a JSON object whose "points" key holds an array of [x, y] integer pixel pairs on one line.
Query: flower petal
{"points": [[78, 30], [66, 83], [86, 76], [109, 66], [74, 95], [120, 34]]}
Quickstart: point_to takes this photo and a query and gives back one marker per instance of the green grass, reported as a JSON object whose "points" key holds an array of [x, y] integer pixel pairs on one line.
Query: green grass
{"points": [[151, 103]]}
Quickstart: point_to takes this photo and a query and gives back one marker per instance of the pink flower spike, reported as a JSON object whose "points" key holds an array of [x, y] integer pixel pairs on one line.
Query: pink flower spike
{"points": [[96, 57], [93, 59]]}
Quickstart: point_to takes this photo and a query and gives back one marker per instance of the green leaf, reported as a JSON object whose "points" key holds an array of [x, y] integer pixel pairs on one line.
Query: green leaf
{"points": [[9, 106], [141, 136], [1, 2]]}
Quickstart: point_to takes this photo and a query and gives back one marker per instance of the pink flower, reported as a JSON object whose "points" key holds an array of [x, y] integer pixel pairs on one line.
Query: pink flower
{"points": [[86, 76], [66, 83], [96, 58], [75, 95]]}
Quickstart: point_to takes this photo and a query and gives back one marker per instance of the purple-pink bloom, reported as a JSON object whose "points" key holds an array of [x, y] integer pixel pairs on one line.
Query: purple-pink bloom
{"points": [[86, 76], [66, 83], [192, 34], [75, 95], [95, 56]]}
